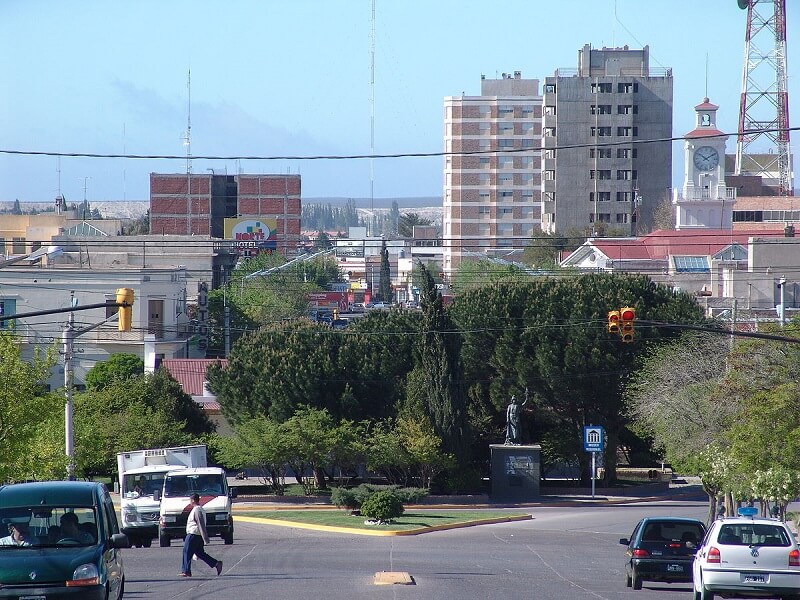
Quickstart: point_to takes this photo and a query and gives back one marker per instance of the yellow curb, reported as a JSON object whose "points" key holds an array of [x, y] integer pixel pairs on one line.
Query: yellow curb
{"points": [[299, 525]]}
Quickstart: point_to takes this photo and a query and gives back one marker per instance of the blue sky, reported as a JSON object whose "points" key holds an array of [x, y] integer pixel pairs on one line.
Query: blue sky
{"points": [[292, 77]]}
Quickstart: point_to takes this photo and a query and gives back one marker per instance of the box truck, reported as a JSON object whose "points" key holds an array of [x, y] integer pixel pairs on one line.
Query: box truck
{"points": [[211, 484], [141, 481]]}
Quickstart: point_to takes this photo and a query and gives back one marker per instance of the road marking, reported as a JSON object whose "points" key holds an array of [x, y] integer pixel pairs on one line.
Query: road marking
{"points": [[393, 578]]}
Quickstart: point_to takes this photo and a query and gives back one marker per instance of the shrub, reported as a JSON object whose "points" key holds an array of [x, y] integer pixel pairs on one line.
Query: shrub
{"points": [[345, 498], [354, 498], [383, 506]]}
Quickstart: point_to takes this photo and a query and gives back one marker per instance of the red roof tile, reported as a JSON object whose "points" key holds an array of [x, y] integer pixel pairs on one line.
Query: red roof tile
{"points": [[191, 372]]}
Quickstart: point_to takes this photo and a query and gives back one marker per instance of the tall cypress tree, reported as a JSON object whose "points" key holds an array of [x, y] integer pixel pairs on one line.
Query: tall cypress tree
{"points": [[385, 282]]}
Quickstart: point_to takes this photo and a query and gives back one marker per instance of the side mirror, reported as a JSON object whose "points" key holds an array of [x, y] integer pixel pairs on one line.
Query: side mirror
{"points": [[624, 541], [157, 495], [119, 540]]}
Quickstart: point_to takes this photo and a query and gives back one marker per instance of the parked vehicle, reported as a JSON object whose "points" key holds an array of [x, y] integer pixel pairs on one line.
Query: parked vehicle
{"points": [[141, 479], [747, 557], [661, 549], [211, 484], [55, 559]]}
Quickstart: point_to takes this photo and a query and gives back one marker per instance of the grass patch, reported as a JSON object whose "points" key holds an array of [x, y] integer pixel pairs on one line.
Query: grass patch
{"points": [[416, 519]]}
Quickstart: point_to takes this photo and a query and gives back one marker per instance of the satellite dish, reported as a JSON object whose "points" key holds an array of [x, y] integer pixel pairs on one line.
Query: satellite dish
{"points": [[744, 4]]}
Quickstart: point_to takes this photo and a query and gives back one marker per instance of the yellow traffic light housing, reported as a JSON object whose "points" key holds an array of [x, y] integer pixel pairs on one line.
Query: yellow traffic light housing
{"points": [[125, 300], [613, 322], [627, 316]]}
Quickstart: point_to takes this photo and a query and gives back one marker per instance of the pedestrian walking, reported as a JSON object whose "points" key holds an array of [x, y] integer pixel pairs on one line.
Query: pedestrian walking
{"points": [[196, 538]]}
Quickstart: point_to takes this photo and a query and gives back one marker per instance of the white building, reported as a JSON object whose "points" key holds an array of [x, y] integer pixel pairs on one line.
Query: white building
{"points": [[160, 322]]}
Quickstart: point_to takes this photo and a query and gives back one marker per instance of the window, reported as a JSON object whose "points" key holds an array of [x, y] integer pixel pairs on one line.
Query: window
{"points": [[602, 88], [601, 196], [527, 111], [626, 152], [600, 153], [483, 210], [549, 88], [549, 132], [527, 143], [600, 131], [484, 161], [7, 307], [550, 153], [623, 196], [483, 196], [627, 131], [505, 127], [484, 127], [622, 217], [505, 143], [18, 245], [526, 162], [601, 218], [625, 175], [527, 127], [748, 216], [486, 110], [526, 178], [506, 212], [627, 88], [505, 162], [483, 178], [550, 110], [600, 109], [505, 229], [691, 264], [600, 174], [505, 179], [550, 174], [506, 195], [628, 109], [505, 110]]}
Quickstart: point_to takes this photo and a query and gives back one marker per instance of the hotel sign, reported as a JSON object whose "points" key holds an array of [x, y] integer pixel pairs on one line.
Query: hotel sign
{"points": [[251, 236]]}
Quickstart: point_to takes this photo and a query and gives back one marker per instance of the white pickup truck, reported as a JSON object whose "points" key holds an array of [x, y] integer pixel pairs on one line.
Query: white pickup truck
{"points": [[211, 484]]}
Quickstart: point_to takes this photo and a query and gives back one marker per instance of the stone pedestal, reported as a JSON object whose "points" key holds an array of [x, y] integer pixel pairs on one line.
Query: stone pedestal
{"points": [[516, 471]]}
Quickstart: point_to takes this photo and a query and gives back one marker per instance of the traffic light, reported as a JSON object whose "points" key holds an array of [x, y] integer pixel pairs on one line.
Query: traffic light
{"points": [[125, 296], [627, 316], [613, 322]]}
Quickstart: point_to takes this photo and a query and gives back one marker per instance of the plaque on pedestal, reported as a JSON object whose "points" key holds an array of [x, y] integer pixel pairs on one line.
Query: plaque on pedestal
{"points": [[516, 471]]}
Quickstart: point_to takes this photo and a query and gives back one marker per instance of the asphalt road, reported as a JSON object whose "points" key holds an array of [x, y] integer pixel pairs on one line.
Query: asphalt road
{"points": [[564, 552]]}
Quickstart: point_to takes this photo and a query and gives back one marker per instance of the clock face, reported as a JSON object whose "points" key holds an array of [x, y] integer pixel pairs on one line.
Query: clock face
{"points": [[706, 158]]}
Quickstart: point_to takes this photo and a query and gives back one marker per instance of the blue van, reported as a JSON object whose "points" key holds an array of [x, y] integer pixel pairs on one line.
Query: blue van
{"points": [[60, 539]]}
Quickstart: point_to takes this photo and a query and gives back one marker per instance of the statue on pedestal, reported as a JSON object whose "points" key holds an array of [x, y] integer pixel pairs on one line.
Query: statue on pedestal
{"points": [[513, 418]]}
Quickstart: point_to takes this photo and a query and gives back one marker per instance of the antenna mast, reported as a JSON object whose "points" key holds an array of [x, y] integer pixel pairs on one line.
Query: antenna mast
{"points": [[372, 113], [188, 143], [764, 105]]}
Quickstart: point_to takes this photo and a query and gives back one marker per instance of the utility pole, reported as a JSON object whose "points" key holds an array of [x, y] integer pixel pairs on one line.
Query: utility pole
{"points": [[227, 322], [68, 337], [782, 311]]}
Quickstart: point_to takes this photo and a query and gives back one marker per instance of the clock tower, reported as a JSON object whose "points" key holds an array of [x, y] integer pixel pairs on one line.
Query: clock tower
{"points": [[704, 201]]}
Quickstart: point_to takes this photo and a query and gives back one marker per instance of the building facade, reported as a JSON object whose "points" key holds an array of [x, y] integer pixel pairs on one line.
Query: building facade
{"points": [[492, 185], [596, 175], [199, 204]]}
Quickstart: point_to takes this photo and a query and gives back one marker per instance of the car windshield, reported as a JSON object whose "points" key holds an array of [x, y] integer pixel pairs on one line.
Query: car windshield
{"points": [[142, 484], [753, 534], [185, 485], [47, 526]]}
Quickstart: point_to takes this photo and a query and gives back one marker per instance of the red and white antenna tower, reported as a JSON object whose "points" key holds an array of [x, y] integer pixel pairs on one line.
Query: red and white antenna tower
{"points": [[762, 146]]}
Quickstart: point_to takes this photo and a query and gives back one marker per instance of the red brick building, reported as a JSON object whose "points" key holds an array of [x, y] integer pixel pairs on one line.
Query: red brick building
{"points": [[213, 198]]}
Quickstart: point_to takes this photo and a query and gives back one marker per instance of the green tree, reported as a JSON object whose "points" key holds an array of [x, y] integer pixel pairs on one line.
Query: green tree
{"points": [[17, 209], [436, 383], [472, 274], [407, 222], [138, 226], [25, 408], [544, 250], [550, 335], [118, 366], [258, 443], [385, 282]]}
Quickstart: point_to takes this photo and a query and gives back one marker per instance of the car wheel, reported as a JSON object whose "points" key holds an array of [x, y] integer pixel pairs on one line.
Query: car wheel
{"points": [[121, 589], [628, 581], [705, 594], [227, 537], [164, 540], [147, 542], [637, 581]]}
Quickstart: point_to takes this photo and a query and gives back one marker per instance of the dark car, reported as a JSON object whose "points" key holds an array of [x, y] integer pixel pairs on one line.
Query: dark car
{"points": [[63, 542], [662, 549]]}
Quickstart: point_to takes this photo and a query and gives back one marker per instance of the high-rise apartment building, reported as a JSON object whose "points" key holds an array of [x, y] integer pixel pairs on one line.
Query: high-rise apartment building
{"points": [[254, 212], [601, 171], [492, 186]]}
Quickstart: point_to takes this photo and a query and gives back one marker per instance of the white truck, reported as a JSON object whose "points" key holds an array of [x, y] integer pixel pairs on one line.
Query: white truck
{"points": [[141, 481], [211, 484]]}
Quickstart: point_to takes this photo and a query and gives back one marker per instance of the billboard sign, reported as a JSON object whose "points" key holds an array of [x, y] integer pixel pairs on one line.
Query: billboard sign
{"points": [[593, 438], [252, 236]]}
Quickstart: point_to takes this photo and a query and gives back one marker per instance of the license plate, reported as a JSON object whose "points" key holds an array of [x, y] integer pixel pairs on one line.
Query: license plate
{"points": [[755, 579], [675, 568]]}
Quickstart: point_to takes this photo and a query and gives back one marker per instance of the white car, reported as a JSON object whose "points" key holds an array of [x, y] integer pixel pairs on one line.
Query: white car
{"points": [[747, 557]]}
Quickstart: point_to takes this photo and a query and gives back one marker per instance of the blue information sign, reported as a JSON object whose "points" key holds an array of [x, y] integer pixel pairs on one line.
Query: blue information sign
{"points": [[593, 438]]}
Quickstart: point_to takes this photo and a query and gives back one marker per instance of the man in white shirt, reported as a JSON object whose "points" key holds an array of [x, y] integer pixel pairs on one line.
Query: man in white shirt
{"points": [[196, 538], [18, 535]]}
